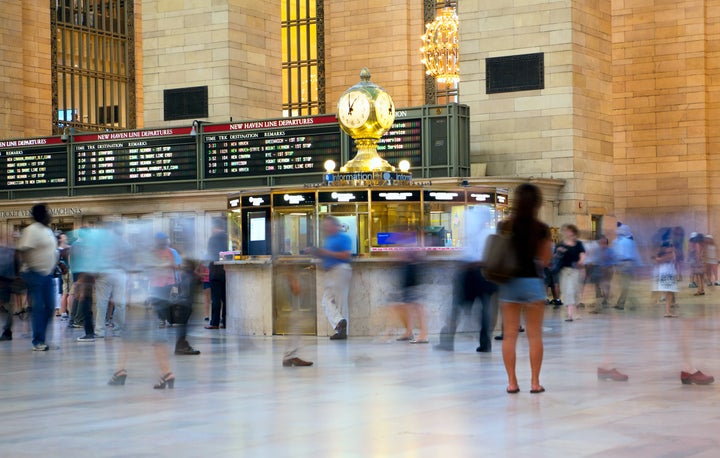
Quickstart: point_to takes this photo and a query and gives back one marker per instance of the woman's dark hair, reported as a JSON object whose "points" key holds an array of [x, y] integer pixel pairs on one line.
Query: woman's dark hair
{"points": [[525, 225]]}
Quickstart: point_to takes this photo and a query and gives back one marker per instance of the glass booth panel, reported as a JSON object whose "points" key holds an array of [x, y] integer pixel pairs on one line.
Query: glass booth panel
{"points": [[294, 231], [395, 221]]}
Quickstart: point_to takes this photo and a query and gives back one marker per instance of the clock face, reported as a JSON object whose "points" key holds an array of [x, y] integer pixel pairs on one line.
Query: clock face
{"points": [[385, 110], [354, 109]]}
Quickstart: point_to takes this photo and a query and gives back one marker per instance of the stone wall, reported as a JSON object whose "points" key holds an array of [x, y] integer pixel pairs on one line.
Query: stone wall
{"points": [[665, 77], [563, 131], [232, 46], [381, 35], [25, 86]]}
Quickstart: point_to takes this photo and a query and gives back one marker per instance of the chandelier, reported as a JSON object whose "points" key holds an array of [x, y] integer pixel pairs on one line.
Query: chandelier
{"points": [[440, 48]]}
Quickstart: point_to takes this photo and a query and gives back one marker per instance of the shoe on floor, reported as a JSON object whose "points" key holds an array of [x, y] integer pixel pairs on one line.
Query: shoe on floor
{"points": [[500, 337], [483, 350], [40, 347], [340, 331], [698, 378], [611, 374], [419, 341], [444, 347], [86, 338], [7, 335], [207, 318], [187, 351], [211, 327], [296, 362]]}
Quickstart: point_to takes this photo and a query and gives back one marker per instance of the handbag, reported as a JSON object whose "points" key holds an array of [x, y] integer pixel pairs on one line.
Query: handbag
{"points": [[500, 259]]}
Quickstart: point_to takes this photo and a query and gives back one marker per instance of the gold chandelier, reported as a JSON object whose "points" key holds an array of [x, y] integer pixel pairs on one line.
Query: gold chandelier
{"points": [[440, 48]]}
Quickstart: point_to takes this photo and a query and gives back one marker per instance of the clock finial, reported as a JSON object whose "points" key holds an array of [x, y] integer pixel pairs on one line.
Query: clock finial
{"points": [[365, 74]]}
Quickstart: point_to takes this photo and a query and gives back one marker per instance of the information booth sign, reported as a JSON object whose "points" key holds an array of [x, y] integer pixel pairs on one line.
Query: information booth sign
{"points": [[33, 163], [144, 156]]}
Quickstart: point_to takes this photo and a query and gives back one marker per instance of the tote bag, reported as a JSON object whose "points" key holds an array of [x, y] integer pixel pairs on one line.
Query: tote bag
{"points": [[499, 258]]}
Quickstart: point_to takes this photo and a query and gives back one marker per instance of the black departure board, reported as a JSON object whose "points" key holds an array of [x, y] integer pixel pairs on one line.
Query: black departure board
{"points": [[273, 147], [402, 141], [143, 156], [33, 163]]}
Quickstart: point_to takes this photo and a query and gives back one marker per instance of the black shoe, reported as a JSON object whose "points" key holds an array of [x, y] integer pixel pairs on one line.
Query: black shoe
{"points": [[521, 329], [187, 351], [167, 380], [619, 307], [483, 350], [500, 337], [445, 347], [557, 302], [340, 331], [7, 335], [118, 378]]}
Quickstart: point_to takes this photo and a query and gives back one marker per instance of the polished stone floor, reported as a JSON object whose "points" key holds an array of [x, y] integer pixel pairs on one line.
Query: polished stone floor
{"points": [[366, 398]]}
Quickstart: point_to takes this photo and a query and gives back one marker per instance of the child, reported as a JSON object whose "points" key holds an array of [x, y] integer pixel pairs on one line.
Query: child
{"points": [[666, 276]]}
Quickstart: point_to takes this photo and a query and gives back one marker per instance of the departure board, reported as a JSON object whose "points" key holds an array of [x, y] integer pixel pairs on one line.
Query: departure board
{"points": [[33, 163], [402, 141], [272, 147], [142, 156]]}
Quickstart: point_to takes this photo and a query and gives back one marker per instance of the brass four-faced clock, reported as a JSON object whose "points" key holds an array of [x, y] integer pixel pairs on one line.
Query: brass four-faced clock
{"points": [[366, 112]]}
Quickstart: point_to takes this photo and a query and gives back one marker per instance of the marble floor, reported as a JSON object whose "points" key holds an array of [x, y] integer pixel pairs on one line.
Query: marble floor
{"points": [[366, 398]]}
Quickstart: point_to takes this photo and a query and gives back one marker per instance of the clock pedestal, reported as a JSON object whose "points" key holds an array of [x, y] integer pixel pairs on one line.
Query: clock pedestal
{"points": [[367, 158]]}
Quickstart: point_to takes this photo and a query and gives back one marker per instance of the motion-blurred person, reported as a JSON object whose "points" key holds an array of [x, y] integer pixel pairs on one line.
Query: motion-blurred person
{"points": [[628, 260], [203, 272], [470, 284], [218, 289], [602, 273], [697, 264], [571, 258], [710, 256], [291, 357], [677, 236], [335, 255], [665, 276], [111, 279], [88, 258], [8, 275], [67, 292], [181, 304], [530, 239], [38, 250], [409, 309]]}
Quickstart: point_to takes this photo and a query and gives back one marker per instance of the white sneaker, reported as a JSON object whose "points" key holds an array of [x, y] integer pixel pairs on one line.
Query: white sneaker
{"points": [[86, 338], [40, 347]]}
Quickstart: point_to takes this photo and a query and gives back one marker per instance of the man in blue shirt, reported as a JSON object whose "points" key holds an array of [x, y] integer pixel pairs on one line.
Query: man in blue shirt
{"points": [[335, 256]]}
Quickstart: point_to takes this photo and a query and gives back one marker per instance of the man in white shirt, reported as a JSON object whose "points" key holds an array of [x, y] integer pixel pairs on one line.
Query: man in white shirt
{"points": [[38, 250]]}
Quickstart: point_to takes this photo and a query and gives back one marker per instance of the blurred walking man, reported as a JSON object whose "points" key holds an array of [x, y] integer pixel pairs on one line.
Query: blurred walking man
{"points": [[38, 249]]}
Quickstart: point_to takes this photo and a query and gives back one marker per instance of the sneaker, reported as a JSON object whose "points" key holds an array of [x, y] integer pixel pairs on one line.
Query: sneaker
{"points": [[40, 347], [207, 318], [64, 316], [86, 338], [611, 374], [557, 302], [76, 325]]}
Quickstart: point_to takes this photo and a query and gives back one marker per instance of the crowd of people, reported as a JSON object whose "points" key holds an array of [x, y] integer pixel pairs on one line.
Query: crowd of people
{"points": [[82, 278]]}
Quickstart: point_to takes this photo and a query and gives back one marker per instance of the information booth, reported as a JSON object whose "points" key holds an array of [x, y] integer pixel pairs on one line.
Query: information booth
{"points": [[271, 230]]}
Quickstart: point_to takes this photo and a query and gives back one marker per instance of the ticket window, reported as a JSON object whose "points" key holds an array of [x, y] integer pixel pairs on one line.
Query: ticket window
{"points": [[396, 219], [352, 211], [294, 223], [444, 217]]}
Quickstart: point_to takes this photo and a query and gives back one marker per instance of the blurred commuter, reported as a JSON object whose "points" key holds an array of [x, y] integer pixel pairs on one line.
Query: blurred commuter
{"points": [[665, 276], [203, 272], [89, 257], [628, 260], [181, 304], [409, 309], [67, 292], [697, 263], [294, 346], [602, 272], [470, 284], [38, 250], [677, 237], [531, 241], [8, 275], [710, 257], [570, 254], [335, 255], [111, 279], [218, 289]]}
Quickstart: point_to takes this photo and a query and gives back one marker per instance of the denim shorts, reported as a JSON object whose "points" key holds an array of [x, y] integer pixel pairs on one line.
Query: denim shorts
{"points": [[523, 290]]}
